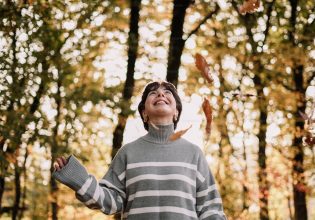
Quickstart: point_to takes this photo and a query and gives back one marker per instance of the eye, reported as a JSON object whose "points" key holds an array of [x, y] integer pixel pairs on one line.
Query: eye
{"points": [[152, 93], [168, 92]]}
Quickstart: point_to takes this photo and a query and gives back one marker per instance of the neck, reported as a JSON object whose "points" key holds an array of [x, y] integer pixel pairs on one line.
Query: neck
{"points": [[159, 133], [161, 120]]}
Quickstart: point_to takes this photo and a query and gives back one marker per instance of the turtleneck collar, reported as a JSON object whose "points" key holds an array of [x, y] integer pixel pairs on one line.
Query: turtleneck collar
{"points": [[160, 135]]}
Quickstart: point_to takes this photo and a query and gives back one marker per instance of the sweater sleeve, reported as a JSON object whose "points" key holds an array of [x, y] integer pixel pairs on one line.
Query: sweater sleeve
{"points": [[208, 200], [107, 195]]}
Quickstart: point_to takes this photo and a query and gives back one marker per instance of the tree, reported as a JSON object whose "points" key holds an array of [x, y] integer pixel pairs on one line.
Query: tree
{"points": [[177, 40], [133, 42], [299, 85], [45, 42], [250, 21]]}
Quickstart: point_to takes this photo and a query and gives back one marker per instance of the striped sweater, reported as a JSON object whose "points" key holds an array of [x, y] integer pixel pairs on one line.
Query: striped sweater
{"points": [[150, 178]]}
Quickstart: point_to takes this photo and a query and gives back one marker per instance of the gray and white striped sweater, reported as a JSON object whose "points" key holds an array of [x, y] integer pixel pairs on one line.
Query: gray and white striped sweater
{"points": [[150, 178]]}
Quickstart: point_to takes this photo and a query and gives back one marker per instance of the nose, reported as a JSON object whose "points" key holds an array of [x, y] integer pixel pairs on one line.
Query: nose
{"points": [[161, 93]]}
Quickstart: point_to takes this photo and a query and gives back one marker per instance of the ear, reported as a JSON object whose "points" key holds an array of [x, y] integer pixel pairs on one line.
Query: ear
{"points": [[143, 114]]}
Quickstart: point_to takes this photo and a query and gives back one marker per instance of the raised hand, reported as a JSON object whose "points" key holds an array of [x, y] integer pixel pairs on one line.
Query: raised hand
{"points": [[59, 163]]}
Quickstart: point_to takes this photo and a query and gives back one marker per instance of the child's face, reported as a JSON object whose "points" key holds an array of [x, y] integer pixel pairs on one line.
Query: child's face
{"points": [[160, 103]]}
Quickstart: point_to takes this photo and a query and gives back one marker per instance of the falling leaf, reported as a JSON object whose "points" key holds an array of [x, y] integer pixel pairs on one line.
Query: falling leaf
{"points": [[207, 109], [249, 6], [203, 67], [178, 134], [309, 140]]}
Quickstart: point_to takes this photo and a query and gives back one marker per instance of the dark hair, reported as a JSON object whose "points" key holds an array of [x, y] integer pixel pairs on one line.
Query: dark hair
{"points": [[154, 86]]}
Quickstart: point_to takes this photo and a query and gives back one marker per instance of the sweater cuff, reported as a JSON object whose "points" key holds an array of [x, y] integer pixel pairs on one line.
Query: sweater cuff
{"points": [[73, 174]]}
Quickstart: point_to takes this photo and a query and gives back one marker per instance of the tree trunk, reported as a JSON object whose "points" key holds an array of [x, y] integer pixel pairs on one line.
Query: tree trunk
{"points": [[177, 42], [4, 164], [225, 150], [246, 199], [262, 105], [53, 191], [54, 150], [17, 181], [249, 21], [2, 182], [2, 176], [23, 192], [133, 43], [262, 173], [299, 193]]}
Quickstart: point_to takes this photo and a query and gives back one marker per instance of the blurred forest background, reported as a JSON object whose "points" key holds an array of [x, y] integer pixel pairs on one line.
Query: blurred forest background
{"points": [[71, 75]]}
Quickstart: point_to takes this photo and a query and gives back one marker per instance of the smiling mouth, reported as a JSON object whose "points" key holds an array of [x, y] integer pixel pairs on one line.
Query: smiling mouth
{"points": [[159, 102]]}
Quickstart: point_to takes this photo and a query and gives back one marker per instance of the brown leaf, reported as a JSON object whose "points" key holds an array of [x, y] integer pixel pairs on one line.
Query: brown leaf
{"points": [[203, 67], [207, 109], [178, 134], [249, 6], [309, 140]]}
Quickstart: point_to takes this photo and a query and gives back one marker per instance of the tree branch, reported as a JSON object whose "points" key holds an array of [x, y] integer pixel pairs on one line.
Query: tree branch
{"points": [[203, 21], [269, 10]]}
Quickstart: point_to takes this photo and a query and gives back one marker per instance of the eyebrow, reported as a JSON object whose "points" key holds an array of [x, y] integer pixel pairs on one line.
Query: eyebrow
{"points": [[162, 87]]}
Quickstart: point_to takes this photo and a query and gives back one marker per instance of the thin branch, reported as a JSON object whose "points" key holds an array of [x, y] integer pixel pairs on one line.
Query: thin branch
{"points": [[269, 10], [282, 153], [247, 20], [217, 7]]}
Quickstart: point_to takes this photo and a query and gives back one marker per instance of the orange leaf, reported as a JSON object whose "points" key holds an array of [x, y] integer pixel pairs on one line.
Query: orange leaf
{"points": [[249, 6], [202, 66], [207, 109], [178, 134]]}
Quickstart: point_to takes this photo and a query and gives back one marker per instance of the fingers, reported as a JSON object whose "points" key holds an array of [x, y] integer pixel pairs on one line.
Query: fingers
{"points": [[64, 161], [60, 163], [56, 166]]}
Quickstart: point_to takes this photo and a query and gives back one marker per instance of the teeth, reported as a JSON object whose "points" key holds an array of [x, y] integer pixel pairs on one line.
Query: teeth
{"points": [[160, 102]]}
